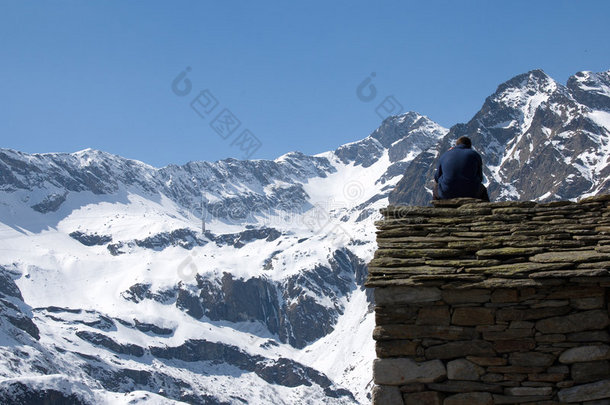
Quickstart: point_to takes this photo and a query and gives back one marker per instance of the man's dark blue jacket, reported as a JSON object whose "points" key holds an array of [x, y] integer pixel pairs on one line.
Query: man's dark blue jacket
{"points": [[459, 173]]}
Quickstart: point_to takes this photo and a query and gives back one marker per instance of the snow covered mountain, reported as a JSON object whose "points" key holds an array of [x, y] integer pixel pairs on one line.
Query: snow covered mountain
{"points": [[113, 293], [539, 140], [242, 281]]}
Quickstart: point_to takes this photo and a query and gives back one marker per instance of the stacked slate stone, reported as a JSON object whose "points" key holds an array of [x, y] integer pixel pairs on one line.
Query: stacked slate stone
{"points": [[493, 303]]}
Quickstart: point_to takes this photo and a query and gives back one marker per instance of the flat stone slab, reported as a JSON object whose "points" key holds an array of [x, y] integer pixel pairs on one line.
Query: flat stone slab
{"points": [[508, 399], [531, 359], [403, 371], [470, 398], [590, 372], [466, 296], [585, 353], [392, 332], [465, 386], [578, 322], [462, 369], [422, 398], [406, 295], [452, 350], [463, 262], [575, 256], [389, 395], [529, 391], [418, 253], [508, 251], [571, 273], [586, 392], [518, 269], [413, 270], [473, 316]]}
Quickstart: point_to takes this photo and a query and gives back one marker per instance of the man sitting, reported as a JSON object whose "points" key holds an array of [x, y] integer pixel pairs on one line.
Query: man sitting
{"points": [[460, 173]]}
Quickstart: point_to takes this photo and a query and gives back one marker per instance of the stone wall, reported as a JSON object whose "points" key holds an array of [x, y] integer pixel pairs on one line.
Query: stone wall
{"points": [[493, 303]]}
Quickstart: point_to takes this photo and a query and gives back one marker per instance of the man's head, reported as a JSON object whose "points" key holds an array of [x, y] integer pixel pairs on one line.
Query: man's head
{"points": [[464, 140]]}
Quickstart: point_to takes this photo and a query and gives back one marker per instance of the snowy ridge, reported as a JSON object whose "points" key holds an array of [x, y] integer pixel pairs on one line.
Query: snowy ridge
{"points": [[129, 295]]}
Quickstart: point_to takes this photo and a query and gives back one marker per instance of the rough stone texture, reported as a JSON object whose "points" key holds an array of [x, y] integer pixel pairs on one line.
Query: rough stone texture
{"points": [[599, 402], [529, 391], [591, 336], [396, 348], [464, 386], [518, 345], [506, 399], [487, 361], [390, 395], [460, 349], [585, 353], [437, 315], [404, 371], [466, 296], [470, 398], [590, 371], [586, 392], [578, 322], [493, 303], [423, 398], [464, 370], [532, 359], [391, 295], [470, 316], [386, 332]]}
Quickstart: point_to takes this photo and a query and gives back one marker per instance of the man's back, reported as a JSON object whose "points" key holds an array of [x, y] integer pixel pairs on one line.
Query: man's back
{"points": [[459, 173]]}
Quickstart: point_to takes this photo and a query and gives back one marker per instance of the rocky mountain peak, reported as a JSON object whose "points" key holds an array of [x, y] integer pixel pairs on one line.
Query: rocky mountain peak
{"points": [[403, 136], [591, 89], [395, 128], [517, 99], [534, 81]]}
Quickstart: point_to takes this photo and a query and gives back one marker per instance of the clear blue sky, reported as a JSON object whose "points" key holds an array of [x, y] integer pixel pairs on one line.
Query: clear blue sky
{"points": [[78, 74]]}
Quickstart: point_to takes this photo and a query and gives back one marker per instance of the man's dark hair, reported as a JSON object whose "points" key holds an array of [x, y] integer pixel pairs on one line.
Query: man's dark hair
{"points": [[464, 140]]}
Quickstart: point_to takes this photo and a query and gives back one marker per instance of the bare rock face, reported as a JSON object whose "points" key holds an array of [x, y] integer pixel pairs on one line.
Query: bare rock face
{"points": [[282, 371], [19, 393], [588, 88], [285, 308], [12, 308], [50, 203], [91, 240], [102, 340], [238, 300]]}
